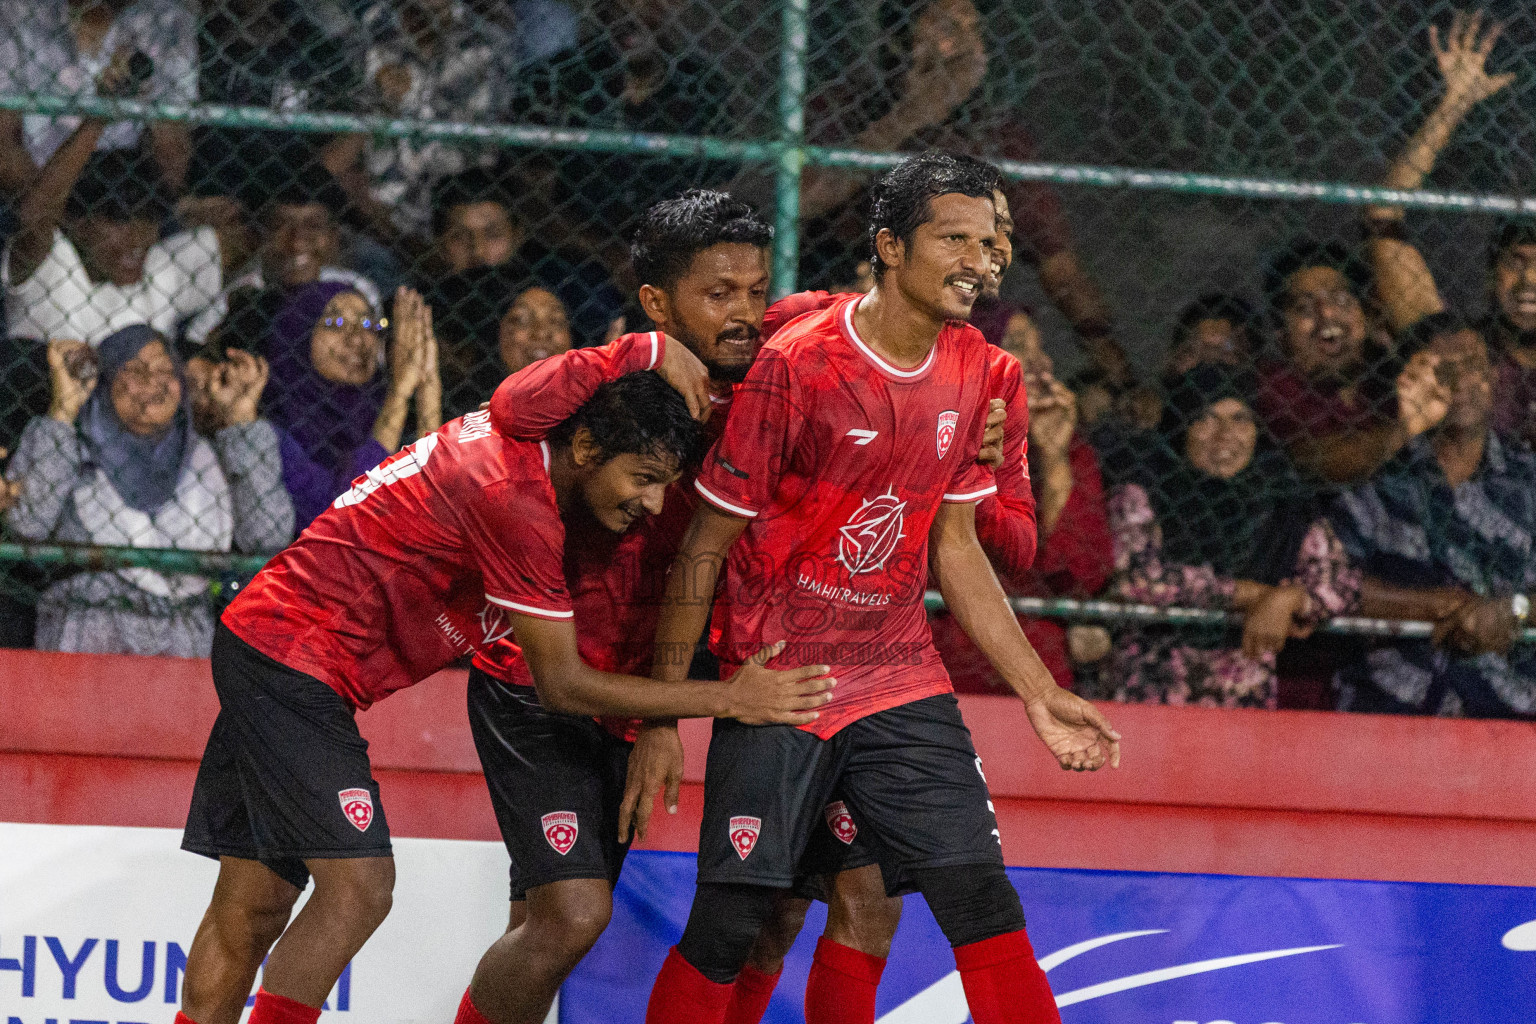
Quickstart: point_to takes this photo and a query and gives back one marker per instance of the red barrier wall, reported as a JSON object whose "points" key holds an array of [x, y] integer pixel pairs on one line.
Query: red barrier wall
{"points": [[115, 740]]}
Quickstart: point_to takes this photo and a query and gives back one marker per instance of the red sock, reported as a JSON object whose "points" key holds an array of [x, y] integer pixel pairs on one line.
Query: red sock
{"points": [[750, 995], [182, 1018], [1003, 983], [682, 995], [467, 1012], [841, 988], [274, 1009]]}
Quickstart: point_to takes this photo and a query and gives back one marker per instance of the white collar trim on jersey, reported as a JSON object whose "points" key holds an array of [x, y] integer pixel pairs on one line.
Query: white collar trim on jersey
{"points": [[874, 357], [544, 447]]}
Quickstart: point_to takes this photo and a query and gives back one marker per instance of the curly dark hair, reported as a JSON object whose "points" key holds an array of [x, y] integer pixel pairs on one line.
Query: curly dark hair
{"points": [[901, 200], [674, 231], [638, 414]]}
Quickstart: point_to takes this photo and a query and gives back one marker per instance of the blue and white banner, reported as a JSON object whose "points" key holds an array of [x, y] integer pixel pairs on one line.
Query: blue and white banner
{"points": [[95, 924], [1132, 948]]}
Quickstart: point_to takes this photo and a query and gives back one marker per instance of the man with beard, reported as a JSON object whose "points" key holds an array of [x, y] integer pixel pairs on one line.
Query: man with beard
{"points": [[1406, 286], [557, 781], [1328, 402]]}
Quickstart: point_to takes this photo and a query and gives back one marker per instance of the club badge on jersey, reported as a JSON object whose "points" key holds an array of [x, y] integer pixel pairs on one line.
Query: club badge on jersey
{"points": [[872, 534], [561, 829], [357, 805], [744, 833], [841, 822], [948, 420]]}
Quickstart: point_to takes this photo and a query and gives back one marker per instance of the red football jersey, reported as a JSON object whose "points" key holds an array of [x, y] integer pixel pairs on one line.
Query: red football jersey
{"points": [[616, 581], [1005, 523], [415, 566], [840, 461]]}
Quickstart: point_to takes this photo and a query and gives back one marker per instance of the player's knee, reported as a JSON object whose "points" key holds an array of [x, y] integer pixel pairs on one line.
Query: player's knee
{"points": [[723, 924], [571, 915], [359, 889], [971, 903], [779, 932]]}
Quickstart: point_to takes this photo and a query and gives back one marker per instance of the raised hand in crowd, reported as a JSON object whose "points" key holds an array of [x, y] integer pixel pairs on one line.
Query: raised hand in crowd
{"points": [[1422, 401], [412, 370], [234, 387], [1052, 422], [991, 453], [71, 378], [1404, 283], [948, 62]]}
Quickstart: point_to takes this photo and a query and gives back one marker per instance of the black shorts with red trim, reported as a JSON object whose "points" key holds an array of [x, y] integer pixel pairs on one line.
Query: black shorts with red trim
{"points": [[285, 777], [908, 777], [556, 782]]}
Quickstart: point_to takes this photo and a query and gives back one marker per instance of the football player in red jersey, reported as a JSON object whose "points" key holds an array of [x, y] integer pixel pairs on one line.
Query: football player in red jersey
{"points": [[826, 496], [557, 782], [840, 867], [449, 545]]}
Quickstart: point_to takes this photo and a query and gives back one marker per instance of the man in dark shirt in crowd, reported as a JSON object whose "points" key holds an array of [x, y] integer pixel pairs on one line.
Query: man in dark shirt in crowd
{"points": [[1444, 531]]}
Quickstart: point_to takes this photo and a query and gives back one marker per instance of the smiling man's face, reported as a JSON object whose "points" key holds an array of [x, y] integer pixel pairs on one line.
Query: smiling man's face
{"points": [[1324, 322], [946, 265]]}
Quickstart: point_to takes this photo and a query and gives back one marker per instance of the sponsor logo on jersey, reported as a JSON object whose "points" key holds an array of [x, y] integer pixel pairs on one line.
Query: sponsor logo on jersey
{"points": [[357, 805], [947, 420], [871, 535], [495, 623], [561, 829], [861, 436], [841, 822], [744, 833], [476, 425]]}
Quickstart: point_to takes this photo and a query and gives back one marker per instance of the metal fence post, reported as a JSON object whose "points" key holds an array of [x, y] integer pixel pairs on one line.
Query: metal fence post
{"points": [[791, 156]]}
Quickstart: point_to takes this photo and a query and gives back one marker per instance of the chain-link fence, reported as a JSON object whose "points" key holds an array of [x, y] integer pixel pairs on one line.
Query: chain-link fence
{"points": [[1227, 418]]}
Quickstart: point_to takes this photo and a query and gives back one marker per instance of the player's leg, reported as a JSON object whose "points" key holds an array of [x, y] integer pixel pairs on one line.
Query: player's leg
{"points": [[760, 974], [851, 953], [249, 910], [285, 781], [351, 899], [556, 783], [518, 977], [764, 788], [915, 780]]}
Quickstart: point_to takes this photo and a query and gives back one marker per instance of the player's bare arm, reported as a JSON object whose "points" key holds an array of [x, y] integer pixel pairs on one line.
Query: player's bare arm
{"points": [[1075, 732]]}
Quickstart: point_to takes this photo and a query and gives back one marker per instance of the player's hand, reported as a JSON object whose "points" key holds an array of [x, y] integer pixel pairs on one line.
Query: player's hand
{"points": [[758, 695], [991, 453], [683, 370], [1072, 729], [655, 763]]}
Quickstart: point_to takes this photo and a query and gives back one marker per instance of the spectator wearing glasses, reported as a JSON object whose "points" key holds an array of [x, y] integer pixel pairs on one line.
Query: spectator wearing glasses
{"points": [[95, 48], [116, 462], [1444, 531], [1406, 285], [339, 410]]}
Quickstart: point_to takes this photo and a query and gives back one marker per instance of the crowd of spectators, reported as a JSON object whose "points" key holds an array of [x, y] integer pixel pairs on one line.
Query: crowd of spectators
{"points": [[211, 330]]}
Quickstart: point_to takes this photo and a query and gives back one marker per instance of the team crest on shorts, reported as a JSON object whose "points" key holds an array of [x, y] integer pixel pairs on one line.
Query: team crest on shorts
{"points": [[357, 805], [841, 822], [744, 833], [560, 828], [947, 420]]}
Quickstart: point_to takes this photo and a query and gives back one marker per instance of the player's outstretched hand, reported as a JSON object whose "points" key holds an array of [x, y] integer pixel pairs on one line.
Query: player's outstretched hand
{"points": [[655, 763], [1073, 729], [760, 695], [991, 453], [683, 370]]}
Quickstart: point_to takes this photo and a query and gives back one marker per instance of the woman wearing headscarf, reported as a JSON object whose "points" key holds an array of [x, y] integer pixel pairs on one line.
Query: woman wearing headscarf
{"points": [[117, 463], [1217, 520], [337, 410]]}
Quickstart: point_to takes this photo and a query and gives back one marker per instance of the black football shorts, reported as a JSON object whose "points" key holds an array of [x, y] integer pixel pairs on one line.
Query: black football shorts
{"points": [[556, 782], [285, 777], [908, 777]]}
